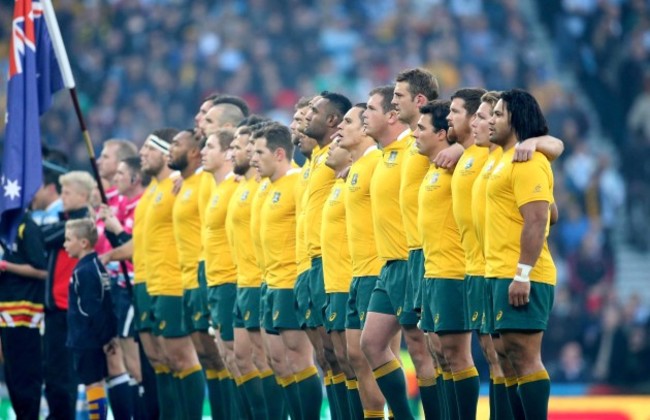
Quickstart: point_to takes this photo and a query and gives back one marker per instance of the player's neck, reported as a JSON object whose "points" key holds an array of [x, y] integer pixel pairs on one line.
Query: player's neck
{"points": [[327, 139], [465, 141], [280, 171], [221, 173], [512, 141], [250, 173], [358, 152], [190, 170], [391, 134], [163, 174]]}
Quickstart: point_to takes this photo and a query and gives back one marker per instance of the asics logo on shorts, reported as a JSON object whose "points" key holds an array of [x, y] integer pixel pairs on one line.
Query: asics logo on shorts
{"points": [[499, 315], [247, 315], [308, 314], [276, 315], [399, 311], [474, 316], [162, 325], [332, 316]]}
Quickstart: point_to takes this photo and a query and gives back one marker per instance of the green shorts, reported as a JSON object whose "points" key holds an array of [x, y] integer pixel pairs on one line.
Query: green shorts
{"points": [[167, 316], [247, 308], [142, 305], [334, 311], [487, 327], [450, 304], [530, 317], [314, 315], [221, 301], [388, 295], [413, 299], [279, 313], [475, 291], [301, 292], [358, 300], [427, 310], [196, 316]]}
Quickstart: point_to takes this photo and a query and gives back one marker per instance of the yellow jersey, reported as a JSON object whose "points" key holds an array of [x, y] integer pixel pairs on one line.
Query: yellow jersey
{"points": [[414, 167], [187, 230], [163, 269], [443, 252], [358, 211], [384, 193], [302, 258], [278, 232], [467, 170], [320, 184], [337, 263], [219, 266], [205, 192], [256, 222], [238, 228], [139, 217], [479, 198], [510, 186]]}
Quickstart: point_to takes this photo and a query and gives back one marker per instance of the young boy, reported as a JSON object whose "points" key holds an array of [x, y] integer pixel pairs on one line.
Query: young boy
{"points": [[91, 321]]}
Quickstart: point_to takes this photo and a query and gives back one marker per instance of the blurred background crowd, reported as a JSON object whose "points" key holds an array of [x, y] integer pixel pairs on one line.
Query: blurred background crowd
{"points": [[143, 64]]}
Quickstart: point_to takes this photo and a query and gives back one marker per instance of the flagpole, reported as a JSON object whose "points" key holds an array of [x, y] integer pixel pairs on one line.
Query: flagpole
{"points": [[68, 82]]}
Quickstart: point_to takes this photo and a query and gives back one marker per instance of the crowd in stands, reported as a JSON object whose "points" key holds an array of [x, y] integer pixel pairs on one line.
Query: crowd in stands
{"points": [[164, 55]]}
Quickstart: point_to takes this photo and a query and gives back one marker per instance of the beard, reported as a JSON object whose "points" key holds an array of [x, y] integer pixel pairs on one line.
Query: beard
{"points": [[241, 169], [179, 164]]}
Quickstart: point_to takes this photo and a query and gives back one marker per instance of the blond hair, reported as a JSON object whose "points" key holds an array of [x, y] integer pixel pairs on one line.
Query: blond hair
{"points": [[491, 97], [83, 229], [81, 181]]}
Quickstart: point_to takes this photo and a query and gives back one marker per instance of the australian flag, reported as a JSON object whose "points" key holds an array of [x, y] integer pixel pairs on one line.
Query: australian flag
{"points": [[34, 76]]}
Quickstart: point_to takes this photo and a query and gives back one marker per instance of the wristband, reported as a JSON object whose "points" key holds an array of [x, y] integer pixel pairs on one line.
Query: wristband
{"points": [[523, 273], [3, 265]]}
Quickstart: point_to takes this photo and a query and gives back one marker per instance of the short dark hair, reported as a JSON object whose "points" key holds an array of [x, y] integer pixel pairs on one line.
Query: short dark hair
{"points": [[166, 134], [438, 111], [526, 117], [277, 137], [420, 82], [233, 100], [472, 98], [252, 120], [340, 104], [135, 167], [386, 93], [257, 130], [362, 105]]}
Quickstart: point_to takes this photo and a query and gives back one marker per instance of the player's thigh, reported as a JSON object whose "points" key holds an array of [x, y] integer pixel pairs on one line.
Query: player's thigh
{"points": [[379, 329]]}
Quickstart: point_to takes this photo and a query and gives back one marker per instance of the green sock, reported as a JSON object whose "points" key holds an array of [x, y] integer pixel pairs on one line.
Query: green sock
{"points": [[514, 400], [491, 398], [502, 408], [215, 394], [273, 395], [167, 396], [335, 410], [534, 390], [354, 400], [192, 384], [390, 378], [429, 397], [251, 384], [450, 394], [442, 396], [237, 406], [341, 393], [292, 397], [467, 384], [310, 391]]}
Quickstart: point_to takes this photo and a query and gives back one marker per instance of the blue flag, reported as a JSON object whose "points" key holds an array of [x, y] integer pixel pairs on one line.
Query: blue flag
{"points": [[34, 76]]}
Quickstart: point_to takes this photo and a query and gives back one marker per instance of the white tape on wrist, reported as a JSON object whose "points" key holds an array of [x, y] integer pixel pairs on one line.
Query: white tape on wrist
{"points": [[523, 273]]}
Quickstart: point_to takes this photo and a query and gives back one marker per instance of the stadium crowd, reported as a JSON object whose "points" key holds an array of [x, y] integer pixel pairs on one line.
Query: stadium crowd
{"points": [[135, 79]]}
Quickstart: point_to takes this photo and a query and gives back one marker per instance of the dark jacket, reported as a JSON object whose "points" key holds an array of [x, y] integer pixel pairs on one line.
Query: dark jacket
{"points": [[59, 263], [91, 321]]}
